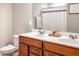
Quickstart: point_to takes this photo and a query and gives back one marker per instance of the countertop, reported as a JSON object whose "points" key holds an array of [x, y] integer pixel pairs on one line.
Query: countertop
{"points": [[47, 38]]}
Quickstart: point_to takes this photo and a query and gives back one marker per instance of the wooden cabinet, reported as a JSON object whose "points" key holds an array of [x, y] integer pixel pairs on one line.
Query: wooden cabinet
{"points": [[30, 46], [23, 50], [31, 41], [34, 47], [46, 53], [60, 49]]}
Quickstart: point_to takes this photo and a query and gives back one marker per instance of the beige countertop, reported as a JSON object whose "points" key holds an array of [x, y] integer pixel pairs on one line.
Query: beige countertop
{"points": [[45, 37]]}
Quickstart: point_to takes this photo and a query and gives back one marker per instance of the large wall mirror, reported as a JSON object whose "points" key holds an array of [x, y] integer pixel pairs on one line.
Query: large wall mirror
{"points": [[55, 16]]}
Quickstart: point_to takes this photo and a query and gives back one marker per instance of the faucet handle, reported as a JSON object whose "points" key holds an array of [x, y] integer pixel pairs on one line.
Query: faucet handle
{"points": [[76, 37], [73, 36], [41, 31]]}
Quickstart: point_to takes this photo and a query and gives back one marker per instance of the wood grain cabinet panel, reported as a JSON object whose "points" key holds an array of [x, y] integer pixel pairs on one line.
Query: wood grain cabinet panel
{"points": [[61, 49], [23, 50], [36, 51], [46, 53], [31, 54], [35, 47], [31, 41]]}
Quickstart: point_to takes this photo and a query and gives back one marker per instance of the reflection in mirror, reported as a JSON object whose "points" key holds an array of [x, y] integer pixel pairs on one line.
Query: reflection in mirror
{"points": [[55, 16]]}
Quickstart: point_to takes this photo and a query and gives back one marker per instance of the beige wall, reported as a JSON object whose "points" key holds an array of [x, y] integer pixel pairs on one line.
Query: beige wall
{"points": [[14, 19], [72, 22], [22, 13], [5, 24]]}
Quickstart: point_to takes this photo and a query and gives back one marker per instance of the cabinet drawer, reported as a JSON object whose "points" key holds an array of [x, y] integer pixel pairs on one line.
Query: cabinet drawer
{"points": [[30, 41], [36, 51], [46, 53], [61, 49]]}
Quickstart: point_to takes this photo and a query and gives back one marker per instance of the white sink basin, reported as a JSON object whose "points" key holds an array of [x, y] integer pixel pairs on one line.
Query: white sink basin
{"points": [[68, 40]]}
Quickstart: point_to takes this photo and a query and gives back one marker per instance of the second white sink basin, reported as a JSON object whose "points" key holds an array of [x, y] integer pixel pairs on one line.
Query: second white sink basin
{"points": [[68, 40]]}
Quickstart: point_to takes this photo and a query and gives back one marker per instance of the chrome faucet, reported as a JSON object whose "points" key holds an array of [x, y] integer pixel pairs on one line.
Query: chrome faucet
{"points": [[41, 31], [73, 36]]}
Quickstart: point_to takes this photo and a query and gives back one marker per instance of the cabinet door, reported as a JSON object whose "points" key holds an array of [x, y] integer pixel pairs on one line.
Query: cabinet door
{"points": [[36, 51], [46, 53], [23, 50], [61, 49]]}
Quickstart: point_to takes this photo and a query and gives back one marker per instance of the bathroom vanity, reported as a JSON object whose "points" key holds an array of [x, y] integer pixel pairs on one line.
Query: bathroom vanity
{"points": [[43, 45]]}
